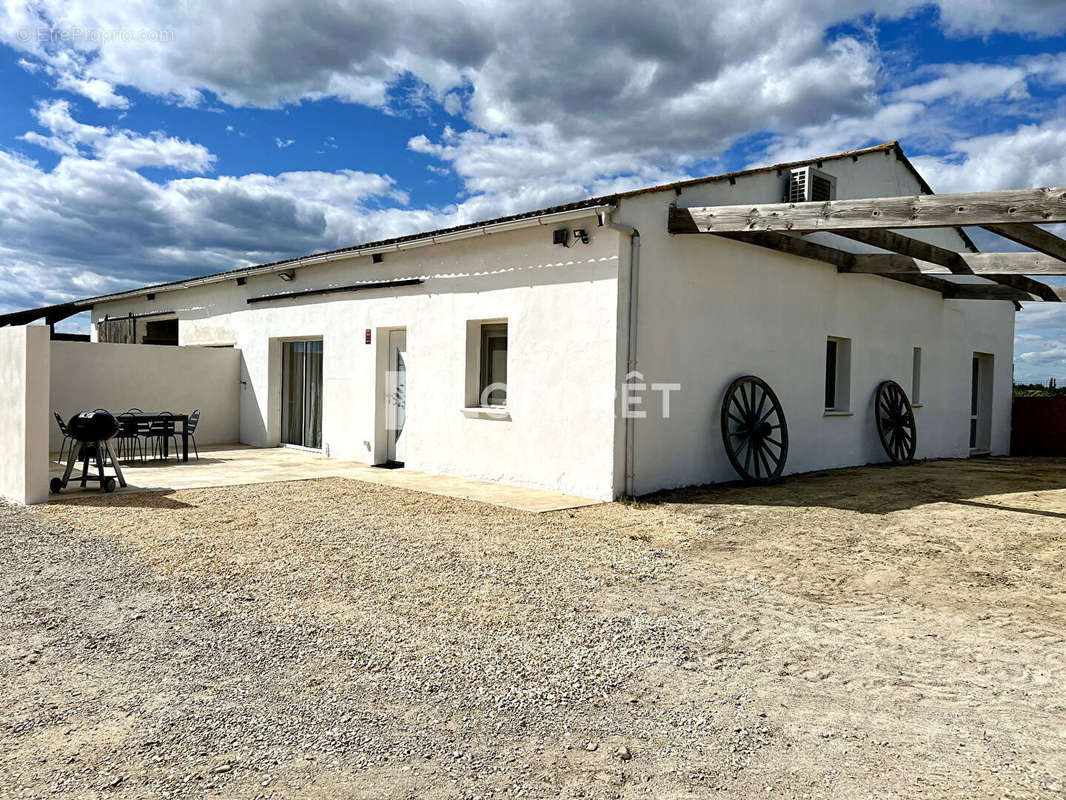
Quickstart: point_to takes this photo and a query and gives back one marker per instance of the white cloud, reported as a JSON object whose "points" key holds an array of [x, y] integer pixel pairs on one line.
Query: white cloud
{"points": [[453, 104], [119, 147], [936, 111], [664, 84], [281, 144], [968, 83], [982, 17], [840, 133], [271, 52], [553, 98], [1039, 357], [94, 224], [99, 91], [1030, 155]]}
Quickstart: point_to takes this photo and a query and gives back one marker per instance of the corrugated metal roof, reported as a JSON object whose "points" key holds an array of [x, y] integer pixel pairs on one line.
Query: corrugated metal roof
{"points": [[610, 199]]}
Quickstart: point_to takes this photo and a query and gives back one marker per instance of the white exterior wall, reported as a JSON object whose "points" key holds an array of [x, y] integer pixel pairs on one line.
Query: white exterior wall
{"points": [[88, 375], [561, 308], [711, 310], [24, 360]]}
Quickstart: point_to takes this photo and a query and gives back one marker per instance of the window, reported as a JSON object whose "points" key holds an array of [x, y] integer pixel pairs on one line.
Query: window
{"points": [[492, 388], [916, 377], [837, 374], [831, 374], [162, 331]]}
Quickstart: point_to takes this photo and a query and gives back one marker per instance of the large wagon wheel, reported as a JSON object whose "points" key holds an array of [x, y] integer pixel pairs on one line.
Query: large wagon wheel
{"points": [[895, 422], [754, 430]]}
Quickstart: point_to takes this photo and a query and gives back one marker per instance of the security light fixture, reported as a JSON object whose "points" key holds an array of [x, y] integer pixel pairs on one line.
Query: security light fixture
{"points": [[150, 296], [287, 275], [377, 258], [581, 235], [242, 281]]}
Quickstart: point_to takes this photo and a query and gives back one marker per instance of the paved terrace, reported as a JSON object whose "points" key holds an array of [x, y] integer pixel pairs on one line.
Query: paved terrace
{"points": [[235, 465]]}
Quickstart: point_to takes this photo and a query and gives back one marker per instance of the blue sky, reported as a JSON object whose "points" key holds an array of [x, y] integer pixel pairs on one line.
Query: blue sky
{"points": [[144, 142]]}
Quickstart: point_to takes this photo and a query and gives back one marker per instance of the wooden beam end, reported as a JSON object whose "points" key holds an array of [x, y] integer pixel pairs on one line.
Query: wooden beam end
{"points": [[680, 221]]}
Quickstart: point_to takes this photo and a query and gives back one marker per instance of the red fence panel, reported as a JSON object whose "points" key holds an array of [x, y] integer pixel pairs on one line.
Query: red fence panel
{"points": [[1038, 426]]}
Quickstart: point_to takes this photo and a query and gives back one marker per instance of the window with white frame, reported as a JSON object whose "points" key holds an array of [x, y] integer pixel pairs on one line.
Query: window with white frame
{"points": [[837, 374]]}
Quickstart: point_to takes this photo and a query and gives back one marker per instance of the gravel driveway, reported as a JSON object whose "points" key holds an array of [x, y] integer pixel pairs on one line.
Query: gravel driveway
{"points": [[862, 632]]}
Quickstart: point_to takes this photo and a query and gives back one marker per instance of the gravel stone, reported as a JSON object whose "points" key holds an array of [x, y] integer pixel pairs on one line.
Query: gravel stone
{"points": [[331, 638]]}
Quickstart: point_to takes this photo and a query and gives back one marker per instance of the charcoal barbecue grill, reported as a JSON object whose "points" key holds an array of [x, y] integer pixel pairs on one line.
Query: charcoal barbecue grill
{"points": [[92, 432]]}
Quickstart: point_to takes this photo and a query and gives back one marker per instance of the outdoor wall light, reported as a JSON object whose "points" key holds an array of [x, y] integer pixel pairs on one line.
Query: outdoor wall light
{"points": [[288, 275], [581, 235], [377, 258]]}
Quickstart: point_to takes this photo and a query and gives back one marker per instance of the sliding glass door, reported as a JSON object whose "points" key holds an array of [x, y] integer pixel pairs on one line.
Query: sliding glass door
{"points": [[301, 401]]}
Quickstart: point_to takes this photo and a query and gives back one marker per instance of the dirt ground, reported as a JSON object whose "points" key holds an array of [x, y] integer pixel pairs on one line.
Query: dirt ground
{"points": [[870, 632]]}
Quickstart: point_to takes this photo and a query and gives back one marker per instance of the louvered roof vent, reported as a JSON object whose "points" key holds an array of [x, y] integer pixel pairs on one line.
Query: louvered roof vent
{"points": [[810, 185]]}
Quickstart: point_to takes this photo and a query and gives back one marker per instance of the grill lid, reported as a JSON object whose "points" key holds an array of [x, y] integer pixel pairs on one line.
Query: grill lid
{"points": [[93, 426]]}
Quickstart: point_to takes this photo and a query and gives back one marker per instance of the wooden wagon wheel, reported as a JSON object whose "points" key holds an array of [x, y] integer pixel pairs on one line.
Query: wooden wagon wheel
{"points": [[895, 422], [754, 430]]}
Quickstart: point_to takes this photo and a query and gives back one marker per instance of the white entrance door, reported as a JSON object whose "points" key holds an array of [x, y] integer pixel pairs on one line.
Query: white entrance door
{"points": [[396, 399]]}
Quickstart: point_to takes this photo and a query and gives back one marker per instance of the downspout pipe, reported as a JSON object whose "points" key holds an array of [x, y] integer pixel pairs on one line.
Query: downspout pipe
{"points": [[631, 336]]}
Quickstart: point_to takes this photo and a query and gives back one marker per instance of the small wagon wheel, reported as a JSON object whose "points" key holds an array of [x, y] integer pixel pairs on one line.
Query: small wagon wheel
{"points": [[895, 422], [754, 430]]}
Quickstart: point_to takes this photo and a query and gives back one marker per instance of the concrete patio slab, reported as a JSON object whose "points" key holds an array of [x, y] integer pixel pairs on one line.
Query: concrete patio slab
{"points": [[234, 465]]}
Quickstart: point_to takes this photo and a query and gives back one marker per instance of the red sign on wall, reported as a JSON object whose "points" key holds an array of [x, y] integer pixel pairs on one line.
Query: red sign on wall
{"points": [[368, 335]]}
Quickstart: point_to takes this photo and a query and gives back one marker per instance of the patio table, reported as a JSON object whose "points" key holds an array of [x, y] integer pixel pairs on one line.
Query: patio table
{"points": [[156, 416]]}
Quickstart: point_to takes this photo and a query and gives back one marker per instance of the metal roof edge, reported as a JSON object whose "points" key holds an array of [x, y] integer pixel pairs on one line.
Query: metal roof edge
{"points": [[494, 225], [531, 219]]}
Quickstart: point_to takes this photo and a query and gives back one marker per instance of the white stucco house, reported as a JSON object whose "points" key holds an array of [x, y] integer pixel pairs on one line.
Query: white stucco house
{"points": [[506, 350]]}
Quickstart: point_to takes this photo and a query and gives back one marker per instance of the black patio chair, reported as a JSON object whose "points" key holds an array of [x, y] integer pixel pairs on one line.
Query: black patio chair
{"points": [[159, 431], [190, 426], [68, 442], [131, 436]]}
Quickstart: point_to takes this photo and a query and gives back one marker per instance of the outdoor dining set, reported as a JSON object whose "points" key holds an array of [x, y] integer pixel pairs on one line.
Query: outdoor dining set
{"points": [[143, 434]]}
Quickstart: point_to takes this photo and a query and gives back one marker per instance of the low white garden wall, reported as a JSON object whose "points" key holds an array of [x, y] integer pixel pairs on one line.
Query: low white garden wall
{"points": [[24, 362], [90, 375]]}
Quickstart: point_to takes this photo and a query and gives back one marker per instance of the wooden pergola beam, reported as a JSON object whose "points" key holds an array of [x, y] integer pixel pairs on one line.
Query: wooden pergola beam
{"points": [[983, 264], [1052, 294], [907, 246], [917, 211], [1013, 263], [986, 291], [841, 259], [1032, 236], [893, 266], [1009, 269]]}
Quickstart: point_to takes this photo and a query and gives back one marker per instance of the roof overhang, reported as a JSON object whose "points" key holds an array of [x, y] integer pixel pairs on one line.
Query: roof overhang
{"points": [[425, 240], [50, 314]]}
